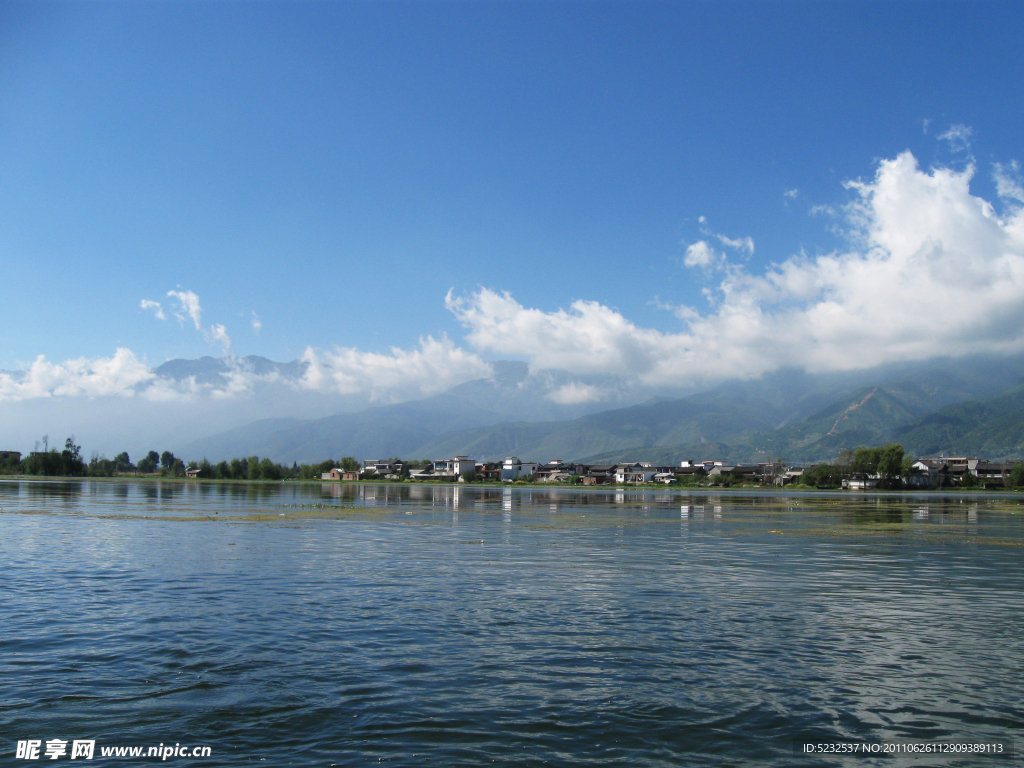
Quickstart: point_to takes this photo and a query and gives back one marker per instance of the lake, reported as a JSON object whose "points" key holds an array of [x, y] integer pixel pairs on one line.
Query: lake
{"points": [[359, 624]]}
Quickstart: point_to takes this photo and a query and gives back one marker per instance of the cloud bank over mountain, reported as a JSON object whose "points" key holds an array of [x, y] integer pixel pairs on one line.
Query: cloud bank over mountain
{"points": [[930, 270]]}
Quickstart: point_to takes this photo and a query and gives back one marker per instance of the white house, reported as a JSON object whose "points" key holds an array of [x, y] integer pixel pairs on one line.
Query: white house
{"points": [[513, 468], [456, 467]]}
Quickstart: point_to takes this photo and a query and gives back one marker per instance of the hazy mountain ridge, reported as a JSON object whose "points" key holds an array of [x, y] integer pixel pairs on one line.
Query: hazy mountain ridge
{"points": [[789, 414], [401, 429], [740, 419]]}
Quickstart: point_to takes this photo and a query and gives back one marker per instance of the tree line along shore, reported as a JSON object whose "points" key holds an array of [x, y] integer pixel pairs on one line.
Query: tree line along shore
{"points": [[884, 467]]}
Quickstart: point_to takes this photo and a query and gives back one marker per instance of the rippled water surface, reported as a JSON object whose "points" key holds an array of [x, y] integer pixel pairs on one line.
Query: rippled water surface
{"points": [[320, 624]]}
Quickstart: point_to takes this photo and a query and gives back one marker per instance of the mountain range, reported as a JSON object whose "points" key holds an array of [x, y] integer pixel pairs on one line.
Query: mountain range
{"points": [[972, 406]]}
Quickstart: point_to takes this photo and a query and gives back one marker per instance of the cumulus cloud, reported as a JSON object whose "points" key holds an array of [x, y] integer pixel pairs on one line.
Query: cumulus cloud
{"points": [[932, 271], [792, 194], [122, 375], [434, 366], [189, 305], [220, 335], [158, 311], [702, 255], [256, 323]]}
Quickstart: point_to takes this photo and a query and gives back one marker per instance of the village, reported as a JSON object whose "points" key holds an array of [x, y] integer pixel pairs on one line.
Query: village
{"points": [[925, 473]]}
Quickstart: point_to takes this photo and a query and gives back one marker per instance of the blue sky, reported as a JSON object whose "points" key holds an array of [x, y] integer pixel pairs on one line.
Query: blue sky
{"points": [[335, 169]]}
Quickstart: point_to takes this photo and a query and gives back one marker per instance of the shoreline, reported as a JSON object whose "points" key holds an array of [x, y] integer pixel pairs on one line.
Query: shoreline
{"points": [[672, 488]]}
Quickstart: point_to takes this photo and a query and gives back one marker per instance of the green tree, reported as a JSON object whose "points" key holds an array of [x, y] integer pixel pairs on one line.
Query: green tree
{"points": [[122, 463], [825, 475], [166, 459], [890, 464], [1016, 478], [149, 464], [101, 467], [865, 460], [71, 458], [269, 470], [908, 465]]}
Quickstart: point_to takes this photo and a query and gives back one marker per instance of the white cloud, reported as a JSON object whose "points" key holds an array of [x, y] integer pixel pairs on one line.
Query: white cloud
{"points": [[575, 393], [791, 193], [959, 137], [158, 312], [256, 323], [1008, 181], [189, 305], [120, 375], [934, 272], [702, 255], [434, 366], [739, 244], [219, 334]]}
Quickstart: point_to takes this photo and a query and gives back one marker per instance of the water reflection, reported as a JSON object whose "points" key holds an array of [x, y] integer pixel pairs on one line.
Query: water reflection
{"points": [[875, 513], [653, 627]]}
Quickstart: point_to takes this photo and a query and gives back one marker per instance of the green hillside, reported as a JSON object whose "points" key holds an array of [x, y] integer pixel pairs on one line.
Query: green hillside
{"points": [[992, 428], [950, 408], [740, 421]]}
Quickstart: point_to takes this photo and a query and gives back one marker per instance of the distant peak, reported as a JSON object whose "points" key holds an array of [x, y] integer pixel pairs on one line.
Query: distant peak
{"points": [[508, 373]]}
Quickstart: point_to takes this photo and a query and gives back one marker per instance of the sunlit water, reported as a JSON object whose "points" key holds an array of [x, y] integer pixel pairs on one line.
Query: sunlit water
{"points": [[320, 624]]}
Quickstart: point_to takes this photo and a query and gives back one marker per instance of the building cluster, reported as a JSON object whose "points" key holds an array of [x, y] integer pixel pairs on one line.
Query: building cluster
{"points": [[924, 473], [462, 468], [932, 473]]}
